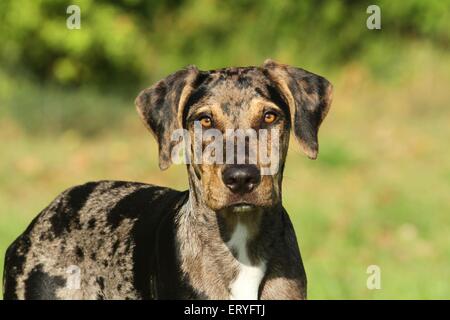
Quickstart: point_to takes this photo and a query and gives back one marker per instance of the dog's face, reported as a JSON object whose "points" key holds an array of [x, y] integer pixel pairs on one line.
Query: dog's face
{"points": [[237, 121], [235, 105]]}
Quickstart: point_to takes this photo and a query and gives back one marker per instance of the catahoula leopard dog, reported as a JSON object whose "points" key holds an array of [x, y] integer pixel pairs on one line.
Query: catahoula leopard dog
{"points": [[227, 237]]}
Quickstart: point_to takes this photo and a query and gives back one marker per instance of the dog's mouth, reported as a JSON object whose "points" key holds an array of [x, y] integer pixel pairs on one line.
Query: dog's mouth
{"points": [[241, 207]]}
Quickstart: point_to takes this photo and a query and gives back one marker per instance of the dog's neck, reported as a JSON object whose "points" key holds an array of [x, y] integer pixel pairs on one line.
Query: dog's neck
{"points": [[217, 248]]}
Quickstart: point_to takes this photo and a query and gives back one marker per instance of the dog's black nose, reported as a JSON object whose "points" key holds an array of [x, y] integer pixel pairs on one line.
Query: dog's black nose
{"points": [[241, 178]]}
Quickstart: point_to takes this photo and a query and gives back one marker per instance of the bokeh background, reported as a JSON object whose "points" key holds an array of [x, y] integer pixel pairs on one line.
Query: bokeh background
{"points": [[379, 193]]}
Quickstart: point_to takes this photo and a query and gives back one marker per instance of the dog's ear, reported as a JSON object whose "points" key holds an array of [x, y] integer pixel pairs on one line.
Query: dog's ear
{"points": [[161, 109], [309, 98]]}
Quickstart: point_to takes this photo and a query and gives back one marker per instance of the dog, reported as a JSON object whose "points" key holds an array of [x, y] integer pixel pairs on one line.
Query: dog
{"points": [[227, 237]]}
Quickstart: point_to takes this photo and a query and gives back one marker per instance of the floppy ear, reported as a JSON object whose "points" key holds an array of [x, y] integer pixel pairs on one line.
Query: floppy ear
{"points": [[161, 109], [309, 98]]}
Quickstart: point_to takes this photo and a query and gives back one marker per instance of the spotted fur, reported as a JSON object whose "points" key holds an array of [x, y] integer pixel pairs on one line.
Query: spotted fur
{"points": [[137, 241]]}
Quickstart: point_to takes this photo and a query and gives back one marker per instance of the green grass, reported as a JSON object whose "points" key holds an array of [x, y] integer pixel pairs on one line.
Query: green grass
{"points": [[379, 192]]}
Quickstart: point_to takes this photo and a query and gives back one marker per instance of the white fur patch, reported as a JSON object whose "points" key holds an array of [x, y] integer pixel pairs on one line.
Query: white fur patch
{"points": [[246, 284]]}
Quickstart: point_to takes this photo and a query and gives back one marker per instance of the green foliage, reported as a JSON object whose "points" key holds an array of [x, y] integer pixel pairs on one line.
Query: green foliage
{"points": [[127, 42]]}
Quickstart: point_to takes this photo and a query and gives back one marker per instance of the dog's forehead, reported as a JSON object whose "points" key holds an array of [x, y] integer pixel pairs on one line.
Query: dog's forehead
{"points": [[238, 77], [235, 85], [236, 71]]}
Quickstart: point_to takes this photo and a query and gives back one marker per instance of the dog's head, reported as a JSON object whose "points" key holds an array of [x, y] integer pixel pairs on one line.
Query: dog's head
{"points": [[237, 118]]}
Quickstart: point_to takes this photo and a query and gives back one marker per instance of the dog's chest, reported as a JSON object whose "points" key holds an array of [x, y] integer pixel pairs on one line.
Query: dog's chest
{"points": [[245, 285]]}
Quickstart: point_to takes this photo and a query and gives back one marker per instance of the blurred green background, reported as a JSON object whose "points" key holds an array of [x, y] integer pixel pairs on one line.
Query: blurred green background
{"points": [[379, 192]]}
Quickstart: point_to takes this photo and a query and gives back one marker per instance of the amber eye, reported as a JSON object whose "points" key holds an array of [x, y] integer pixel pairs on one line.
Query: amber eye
{"points": [[269, 117], [205, 121]]}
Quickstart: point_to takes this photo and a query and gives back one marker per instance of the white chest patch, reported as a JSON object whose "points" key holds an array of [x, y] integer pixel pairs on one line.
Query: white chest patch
{"points": [[246, 284]]}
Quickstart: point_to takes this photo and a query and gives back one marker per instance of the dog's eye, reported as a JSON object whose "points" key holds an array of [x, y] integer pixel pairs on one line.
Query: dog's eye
{"points": [[269, 117], [205, 121]]}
